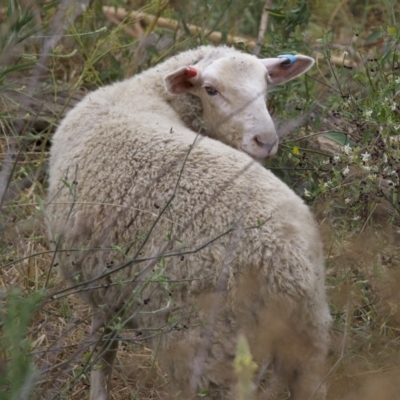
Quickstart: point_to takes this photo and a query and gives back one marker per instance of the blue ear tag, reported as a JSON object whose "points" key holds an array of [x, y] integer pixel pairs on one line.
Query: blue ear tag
{"points": [[290, 59]]}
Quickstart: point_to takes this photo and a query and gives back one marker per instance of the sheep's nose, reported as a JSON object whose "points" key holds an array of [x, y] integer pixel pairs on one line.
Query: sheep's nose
{"points": [[264, 143], [260, 141]]}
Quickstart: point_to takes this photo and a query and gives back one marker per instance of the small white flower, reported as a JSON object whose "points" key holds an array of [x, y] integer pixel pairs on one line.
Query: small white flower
{"points": [[397, 127], [393, 172], [368, 113], [397, 80], [347, 149], [347, 200], [366, 167], [372, 177], [366, 156], [336, 158], [327, 183], [307, 193], [393, 106], [385, 159], [387, 99], [356, 218], [346, 170]]}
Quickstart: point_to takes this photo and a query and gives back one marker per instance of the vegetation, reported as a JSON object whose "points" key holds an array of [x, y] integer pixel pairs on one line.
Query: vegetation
{"points": [[343, 160]]}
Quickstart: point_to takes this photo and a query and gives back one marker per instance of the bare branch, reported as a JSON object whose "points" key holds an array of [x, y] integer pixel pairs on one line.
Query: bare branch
{"points": [[149, 20], [66, 14], [263, 27]]}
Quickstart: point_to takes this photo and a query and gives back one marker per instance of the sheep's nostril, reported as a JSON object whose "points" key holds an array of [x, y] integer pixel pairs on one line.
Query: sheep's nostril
{"points": [[264, 144], [259, 141]]}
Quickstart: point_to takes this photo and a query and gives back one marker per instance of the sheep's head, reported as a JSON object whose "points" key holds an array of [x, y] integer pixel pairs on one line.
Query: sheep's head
{"points": [[233, 92]]}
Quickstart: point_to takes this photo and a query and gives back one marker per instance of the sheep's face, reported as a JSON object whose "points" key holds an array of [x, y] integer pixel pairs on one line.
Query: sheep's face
{"points": [[233, 92]]}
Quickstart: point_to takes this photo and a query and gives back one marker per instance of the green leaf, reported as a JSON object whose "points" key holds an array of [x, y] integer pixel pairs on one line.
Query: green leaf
{"points": [[51, 5], [224, 37], [373, 36], [275, 13], [16, 68], [339, 137], [40, 202], [185, 28]]}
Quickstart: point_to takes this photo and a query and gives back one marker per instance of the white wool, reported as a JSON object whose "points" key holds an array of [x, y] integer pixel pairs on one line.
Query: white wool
{"points": [[186, 235]]}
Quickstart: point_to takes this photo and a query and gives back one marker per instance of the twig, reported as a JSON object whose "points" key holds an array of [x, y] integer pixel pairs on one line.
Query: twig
{"points": [[286, 127], [263, 27], [61, 22], [118, 15], [131, 32], [142, 43], [148, 19]]}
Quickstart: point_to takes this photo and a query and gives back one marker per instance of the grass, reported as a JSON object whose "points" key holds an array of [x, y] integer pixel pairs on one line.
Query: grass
{"points": [[344, 162]]}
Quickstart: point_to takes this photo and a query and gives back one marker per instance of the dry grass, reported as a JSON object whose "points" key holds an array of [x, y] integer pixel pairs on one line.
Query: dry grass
{"points": [[363, 282]]}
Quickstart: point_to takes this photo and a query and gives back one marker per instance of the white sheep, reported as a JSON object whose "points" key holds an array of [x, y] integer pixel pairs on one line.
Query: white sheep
{"points": [[228, 89], [183, 238]]}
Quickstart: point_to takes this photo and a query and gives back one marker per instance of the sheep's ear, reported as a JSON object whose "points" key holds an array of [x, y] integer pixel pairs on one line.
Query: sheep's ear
{"points": [[182, 80], [286, 67]]}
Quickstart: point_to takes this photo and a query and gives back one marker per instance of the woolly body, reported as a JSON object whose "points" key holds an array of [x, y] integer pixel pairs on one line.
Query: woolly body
{"points": [[131, 182]]}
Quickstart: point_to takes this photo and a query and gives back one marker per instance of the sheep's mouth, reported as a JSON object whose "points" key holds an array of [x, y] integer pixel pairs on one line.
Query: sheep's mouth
{"points": [[257, 159]]}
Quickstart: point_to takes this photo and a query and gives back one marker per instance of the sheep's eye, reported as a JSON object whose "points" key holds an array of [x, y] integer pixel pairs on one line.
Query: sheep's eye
{"points": [[211, 91]]}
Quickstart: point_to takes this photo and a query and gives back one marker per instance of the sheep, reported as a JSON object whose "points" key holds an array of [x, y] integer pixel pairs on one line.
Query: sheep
{"points": [[183, 237], [234, 113]]}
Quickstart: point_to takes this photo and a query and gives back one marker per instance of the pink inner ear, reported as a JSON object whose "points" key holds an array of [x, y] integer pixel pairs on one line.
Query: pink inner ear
{"points": [[191, 73]]}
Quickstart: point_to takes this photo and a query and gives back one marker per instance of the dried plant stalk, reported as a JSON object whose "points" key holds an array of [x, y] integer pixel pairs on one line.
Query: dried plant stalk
{"points": [[148, 19]]}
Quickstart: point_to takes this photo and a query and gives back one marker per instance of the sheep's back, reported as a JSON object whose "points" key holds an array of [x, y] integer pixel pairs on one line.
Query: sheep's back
{"points": [[219, 208]]}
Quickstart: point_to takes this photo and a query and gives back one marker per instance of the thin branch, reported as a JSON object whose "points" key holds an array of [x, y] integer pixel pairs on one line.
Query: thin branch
{"points": [[263, 27], [148, 19], [66, 14]]}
